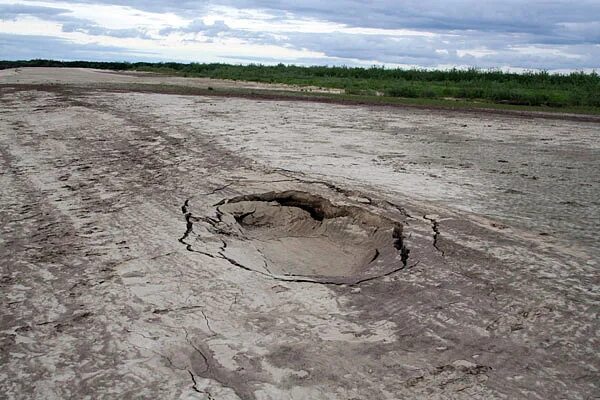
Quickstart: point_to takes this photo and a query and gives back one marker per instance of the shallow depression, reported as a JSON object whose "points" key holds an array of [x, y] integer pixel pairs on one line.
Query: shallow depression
{"points": [[300, 234]]}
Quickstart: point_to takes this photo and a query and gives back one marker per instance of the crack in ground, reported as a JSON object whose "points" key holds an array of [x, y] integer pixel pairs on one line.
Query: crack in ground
{"points": [[168, 310], [195, 386], [210, 372], [329, 185], [266, 264], [194, 382], [204, 358], [218, 189], [208, 323], [174, 366], [435, 226], [399, 208]]}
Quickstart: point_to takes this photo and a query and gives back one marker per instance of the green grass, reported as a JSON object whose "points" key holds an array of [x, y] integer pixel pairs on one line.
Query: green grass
{"points": [[459, 104], [574, 92]]}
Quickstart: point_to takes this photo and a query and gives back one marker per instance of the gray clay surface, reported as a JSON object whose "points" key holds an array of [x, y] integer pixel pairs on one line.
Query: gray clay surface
{"points": [[189, 247]]}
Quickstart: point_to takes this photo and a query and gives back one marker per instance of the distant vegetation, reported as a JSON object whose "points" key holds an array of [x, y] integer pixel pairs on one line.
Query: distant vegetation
{"points": [[574, 90]]}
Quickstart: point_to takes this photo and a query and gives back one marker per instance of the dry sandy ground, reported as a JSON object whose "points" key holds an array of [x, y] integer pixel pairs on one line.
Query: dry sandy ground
{"points": [[166, 246], [91, 77]]}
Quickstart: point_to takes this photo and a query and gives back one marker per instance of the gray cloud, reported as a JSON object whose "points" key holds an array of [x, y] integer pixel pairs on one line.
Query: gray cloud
{"points": [[95, 30], [562, 35], [342, 48], [508, 15], [23, 47], [544, 21], [198, 26], [69, 23], [12, 11]]}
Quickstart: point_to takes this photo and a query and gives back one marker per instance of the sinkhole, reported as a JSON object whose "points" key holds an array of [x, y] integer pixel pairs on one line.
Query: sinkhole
{"points": [[299, 234]]}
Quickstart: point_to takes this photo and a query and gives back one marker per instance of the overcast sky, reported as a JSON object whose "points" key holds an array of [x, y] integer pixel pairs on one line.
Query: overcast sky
{"points": [[555, 35]]}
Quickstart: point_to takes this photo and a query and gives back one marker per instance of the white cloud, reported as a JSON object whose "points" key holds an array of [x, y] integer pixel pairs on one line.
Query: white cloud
{"points": [[545, 51], [476, 52]]}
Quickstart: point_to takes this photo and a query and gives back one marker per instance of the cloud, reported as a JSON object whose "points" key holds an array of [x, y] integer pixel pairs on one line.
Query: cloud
{"points": [[96, 30], [23, 47], [546, 34], [470, 49], [507, 16], [13, 11], [199, 26]]}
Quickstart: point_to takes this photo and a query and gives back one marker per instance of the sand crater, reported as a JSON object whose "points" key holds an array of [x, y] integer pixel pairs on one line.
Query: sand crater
{"points": [[301, 234]]}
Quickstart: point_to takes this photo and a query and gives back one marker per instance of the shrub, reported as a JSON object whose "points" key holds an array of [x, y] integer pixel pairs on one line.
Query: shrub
{"points": [[428, 92], [402, 91]]}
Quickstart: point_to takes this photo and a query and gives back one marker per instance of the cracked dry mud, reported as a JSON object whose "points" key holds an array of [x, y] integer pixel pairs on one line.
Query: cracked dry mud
{"points": [[163, 246]]}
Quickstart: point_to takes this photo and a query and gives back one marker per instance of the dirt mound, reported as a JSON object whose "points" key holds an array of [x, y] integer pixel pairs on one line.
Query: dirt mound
{"points": [[305, 235]]}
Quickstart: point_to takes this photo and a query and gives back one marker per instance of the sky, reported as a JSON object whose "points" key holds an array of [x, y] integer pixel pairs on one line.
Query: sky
{"points": [[553, 35]]}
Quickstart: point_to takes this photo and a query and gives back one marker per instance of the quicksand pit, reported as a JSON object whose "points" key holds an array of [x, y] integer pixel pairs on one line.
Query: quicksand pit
{"points": [[304, 235]]}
